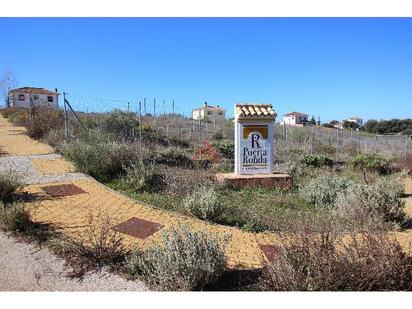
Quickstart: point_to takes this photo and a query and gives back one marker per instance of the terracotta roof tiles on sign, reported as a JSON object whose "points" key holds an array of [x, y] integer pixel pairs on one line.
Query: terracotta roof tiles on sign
{"points": [[259, 111]]}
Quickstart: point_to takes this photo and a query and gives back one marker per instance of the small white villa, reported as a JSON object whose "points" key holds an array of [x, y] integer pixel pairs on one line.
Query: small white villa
{"points": [[35, 97], [295, 119], [209, 112], [357, 120]]}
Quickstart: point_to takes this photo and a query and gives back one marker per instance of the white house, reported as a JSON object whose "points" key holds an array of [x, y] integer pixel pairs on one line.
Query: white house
{"points": [[357, 120], [295, 119], [209, 112], [35, 97]]}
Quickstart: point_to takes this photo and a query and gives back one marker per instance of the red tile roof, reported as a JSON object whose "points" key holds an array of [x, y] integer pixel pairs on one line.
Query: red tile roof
{"points": [[33, 90], [296, 114]]}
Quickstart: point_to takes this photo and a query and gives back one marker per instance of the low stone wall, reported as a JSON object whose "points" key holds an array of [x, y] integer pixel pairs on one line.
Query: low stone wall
{"points": [[275, 180]]}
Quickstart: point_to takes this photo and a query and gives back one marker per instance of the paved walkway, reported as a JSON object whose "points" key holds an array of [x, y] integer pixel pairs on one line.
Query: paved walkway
{"points": [[42, 169], [65, 199]]}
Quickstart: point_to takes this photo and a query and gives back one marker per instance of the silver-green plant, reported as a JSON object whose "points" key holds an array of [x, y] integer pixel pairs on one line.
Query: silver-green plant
{"points": [[186, 260], [204, 203], [382, 198], [143, 176], [323, 190]]}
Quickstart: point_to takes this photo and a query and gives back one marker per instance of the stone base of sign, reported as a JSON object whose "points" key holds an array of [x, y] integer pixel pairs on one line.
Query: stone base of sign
{"points": [[275, 180]]}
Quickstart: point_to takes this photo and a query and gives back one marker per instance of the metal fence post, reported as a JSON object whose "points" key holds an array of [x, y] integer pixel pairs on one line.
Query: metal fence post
{"points": [[140, 125], [200, 138], [66, 129]]}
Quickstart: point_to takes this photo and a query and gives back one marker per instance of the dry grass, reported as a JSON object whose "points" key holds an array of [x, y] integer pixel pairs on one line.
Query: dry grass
{"points": [[100, 246], [327, 262]]}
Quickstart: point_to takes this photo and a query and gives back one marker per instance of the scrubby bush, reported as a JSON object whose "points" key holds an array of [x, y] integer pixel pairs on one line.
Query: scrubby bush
{"points": [[178, 142], [43, 121], [227, 150], [99, 246], [296, 169], [382, 198], [317, 161], [181, 181], [100, 159], [324, 262], [15, 218], [173, 157], [217, 135], [18, 116], [142, 176], [323, 190], [294, 153], [370, 162], [10, 183], [326, 149], [207, 152], [123, 124], [204, 203], [186, 260]]}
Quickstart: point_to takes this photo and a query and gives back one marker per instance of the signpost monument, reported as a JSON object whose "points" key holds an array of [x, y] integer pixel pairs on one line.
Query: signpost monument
{"points": [[254, 133], [254, 149]]}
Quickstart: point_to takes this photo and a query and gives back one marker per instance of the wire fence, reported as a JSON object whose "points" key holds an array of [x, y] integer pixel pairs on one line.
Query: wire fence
{"points": [[166, 117], [172, 120], [312, 137]]}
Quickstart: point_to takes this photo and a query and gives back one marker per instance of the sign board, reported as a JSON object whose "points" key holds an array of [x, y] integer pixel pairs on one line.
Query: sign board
{"points": [[254, 133]]}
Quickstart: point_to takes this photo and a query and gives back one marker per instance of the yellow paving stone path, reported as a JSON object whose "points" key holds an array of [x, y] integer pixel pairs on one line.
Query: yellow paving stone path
{"points": [[52, 166], [13, 141], [69, 213]]}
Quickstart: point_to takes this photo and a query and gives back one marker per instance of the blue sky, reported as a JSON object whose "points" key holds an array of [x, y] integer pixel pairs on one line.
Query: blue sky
{"points": [[331, 68]]}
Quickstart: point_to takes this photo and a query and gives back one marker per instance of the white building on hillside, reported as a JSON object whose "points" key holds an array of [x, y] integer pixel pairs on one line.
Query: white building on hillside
{"points": [[295, 119], [357, 120], [35, 97], [209, 112]]}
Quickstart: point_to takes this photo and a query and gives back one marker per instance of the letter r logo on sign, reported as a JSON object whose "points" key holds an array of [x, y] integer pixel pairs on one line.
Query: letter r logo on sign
{"points": [[255, 138]]}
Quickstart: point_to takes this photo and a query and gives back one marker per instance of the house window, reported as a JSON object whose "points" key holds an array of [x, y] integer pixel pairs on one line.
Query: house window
{"points": [[209, 113], [220, 113], [49, 98], [21, 97], [36, 97]]}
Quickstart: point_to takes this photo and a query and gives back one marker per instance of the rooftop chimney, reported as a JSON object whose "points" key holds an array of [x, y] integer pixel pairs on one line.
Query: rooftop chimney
{"points": [[205, 104], [55, 90]]}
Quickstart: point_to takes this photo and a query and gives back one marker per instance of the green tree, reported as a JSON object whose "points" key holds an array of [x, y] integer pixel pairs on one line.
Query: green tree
{"points": [[313, 121], [349, 125], [370, 162]]}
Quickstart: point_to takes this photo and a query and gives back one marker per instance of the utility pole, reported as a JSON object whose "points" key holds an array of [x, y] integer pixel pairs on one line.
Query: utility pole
{"points": [[173, 107], [128, 107]]}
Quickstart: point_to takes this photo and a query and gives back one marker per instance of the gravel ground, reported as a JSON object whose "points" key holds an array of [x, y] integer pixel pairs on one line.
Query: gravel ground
{"points": [[27, 267], [23, 166]]}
